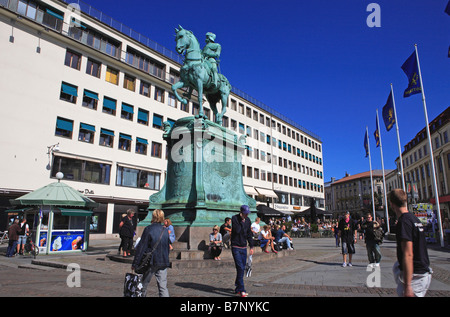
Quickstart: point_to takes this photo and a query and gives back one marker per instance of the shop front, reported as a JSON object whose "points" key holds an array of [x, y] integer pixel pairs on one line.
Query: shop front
{"points": [[62, 230], [60, 218]]}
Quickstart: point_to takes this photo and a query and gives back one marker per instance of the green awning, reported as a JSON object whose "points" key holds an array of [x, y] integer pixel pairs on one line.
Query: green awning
{"points": [[107, 132], [64, 124], [125, 136], [142, 115], [55, 14], [76, 212], [109, 103], [69, 89], [92, 95], [127, 108], [157, 120], [140, 140], [55, 194], [88, 127]]}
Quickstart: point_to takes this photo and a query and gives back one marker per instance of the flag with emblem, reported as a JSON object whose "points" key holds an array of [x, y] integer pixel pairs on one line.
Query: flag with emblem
{"points": [[411, 69], [377, 134], [388, 113]]}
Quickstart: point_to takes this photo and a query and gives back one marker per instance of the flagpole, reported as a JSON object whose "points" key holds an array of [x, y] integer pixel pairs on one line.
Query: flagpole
{"points": [[398, 141], [384, 179], [371, 177], [433, 173]]}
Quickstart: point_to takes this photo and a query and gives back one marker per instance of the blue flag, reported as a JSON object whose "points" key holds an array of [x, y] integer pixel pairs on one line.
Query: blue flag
{"points": [[388, 113], [366, 143], [377, 133], [411, 70]]}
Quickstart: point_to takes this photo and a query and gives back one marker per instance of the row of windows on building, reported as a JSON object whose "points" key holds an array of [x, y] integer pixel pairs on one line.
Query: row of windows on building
{"points": [[270, 123], [100, 173], [73, 60], [283, 162], [89, 36], [421, 176], [423, 150], [257, 173], [65, 127]]}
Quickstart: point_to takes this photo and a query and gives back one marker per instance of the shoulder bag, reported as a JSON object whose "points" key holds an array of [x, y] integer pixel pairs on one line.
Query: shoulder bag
{"points": [[147, 257]]}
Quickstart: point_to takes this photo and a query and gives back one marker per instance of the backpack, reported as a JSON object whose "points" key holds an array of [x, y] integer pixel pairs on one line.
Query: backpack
{"points": [[379, 235]]}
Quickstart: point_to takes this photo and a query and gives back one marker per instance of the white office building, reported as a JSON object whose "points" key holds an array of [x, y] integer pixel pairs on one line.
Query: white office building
{"points": [[83, 94]]}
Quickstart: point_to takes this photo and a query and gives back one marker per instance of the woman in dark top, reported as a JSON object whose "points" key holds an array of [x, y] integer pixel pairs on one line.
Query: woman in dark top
{"points": [[126, 232]]}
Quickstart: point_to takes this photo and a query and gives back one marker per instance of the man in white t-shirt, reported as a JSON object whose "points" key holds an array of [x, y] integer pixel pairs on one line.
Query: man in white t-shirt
{"points": [[256, 228]]}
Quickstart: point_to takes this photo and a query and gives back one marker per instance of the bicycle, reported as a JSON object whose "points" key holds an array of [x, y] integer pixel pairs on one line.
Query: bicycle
{"points": [[4, 237], [31, 248]]}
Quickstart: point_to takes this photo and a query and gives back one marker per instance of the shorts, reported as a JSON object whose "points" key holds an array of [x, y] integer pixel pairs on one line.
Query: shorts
{"points": [[264, 242], [22, 240], [348, 248], [419, 283]]}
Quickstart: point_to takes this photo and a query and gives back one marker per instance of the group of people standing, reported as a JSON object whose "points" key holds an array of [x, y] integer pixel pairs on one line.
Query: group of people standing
{"points": [[412, 270], [346, 233], [17, 234]]}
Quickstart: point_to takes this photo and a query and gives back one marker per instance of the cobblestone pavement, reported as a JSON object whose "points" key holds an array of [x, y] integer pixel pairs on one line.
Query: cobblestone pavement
{"points": [[312, 270]]}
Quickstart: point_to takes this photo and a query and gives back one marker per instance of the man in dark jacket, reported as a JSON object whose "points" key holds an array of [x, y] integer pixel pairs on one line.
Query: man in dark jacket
{"points": [[157, 235], [372, 244], [13, 234], [241, 234]]}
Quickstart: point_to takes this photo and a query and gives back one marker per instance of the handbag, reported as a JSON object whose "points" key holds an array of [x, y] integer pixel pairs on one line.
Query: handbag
{"points": [[133, 285], [144, 266]]}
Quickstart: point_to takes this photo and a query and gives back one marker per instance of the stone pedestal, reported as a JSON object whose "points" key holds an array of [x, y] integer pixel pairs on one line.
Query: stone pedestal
{"points": [[204, 180]]}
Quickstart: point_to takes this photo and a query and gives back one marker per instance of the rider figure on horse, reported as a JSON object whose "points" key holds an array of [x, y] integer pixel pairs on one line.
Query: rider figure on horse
{"points": [[211, 53]]}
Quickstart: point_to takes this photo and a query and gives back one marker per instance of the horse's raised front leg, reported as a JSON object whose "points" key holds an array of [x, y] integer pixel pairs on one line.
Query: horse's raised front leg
{"points": [[200, 98], [176, 86], [224, 97]]}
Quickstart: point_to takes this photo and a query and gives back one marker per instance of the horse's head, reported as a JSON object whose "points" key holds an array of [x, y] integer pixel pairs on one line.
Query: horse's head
{"points": [[183, 39]]}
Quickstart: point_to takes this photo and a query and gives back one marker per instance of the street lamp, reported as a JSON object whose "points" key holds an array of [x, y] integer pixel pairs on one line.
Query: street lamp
{"points": [[50, 150]]}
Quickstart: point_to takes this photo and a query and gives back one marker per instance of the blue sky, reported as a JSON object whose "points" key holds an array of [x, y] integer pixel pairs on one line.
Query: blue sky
{"points": [[317, 62]]}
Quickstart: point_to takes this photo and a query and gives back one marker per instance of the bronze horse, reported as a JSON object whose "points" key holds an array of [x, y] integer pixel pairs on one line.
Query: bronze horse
{"points": [[196, 73]]}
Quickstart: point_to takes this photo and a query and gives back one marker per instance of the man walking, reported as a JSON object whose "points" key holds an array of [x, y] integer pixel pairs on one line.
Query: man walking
{"points": [[412, 272], [241, 234], [370, 228], [347, 233]]}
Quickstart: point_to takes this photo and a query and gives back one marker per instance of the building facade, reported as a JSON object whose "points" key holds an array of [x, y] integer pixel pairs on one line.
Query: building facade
{"points": [[353, 193], [417, 167], [85, 95]]}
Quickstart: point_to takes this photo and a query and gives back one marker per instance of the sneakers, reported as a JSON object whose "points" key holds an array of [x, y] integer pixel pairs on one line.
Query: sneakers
{"points": [[345, 264], [242, 294]]}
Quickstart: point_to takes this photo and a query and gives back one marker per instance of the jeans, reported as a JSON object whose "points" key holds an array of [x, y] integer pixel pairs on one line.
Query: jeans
{"points": [[240, 260], [285, 239], [373, 251], [161, 280], [12, 245]]}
